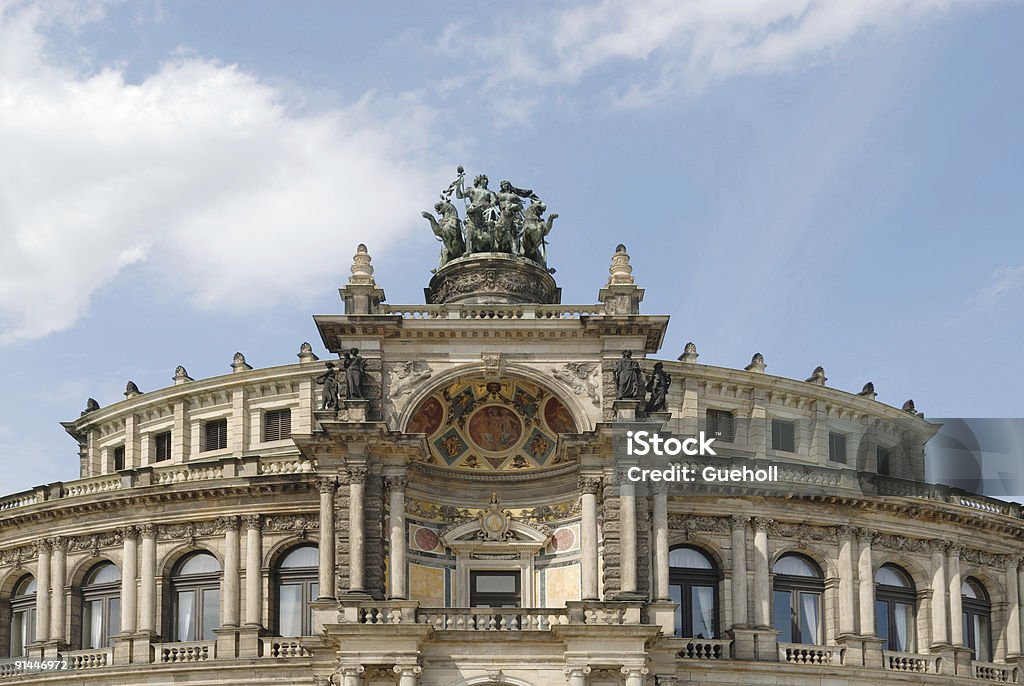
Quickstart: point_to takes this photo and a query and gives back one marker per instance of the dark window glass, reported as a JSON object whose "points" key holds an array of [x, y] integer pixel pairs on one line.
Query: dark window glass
{"points": [[783, 436], [883, 461], [162, 443], [693, 583], [101, 606], [837, 447], [297, 586], [797, 594], [215, 435], [23, 616], [277, 425], [118, 458], [721, 426], [977, 619], [895, 608], [495, 589], [195, 598]]}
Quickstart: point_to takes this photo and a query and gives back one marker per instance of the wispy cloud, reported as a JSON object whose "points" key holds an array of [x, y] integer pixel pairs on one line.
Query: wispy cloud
{"points": [[1002, 282], [201, 169]]}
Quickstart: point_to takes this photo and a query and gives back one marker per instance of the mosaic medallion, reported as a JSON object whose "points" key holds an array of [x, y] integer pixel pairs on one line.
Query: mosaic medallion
{"points": [[495, 429]]}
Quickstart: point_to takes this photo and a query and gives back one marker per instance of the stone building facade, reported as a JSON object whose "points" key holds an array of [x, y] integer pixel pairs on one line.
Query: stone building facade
{"points": [[466, 518]]}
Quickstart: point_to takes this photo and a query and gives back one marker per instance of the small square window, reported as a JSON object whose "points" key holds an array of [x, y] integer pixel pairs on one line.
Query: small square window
{"points": [[162, 445], [277, 425], [118, 458], [783, 436], [837, 447], [883, 462], [215, 435], [720, 425]]}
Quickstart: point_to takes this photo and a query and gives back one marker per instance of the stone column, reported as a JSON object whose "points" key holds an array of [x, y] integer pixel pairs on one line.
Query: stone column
{"points": [[58, 577], [351, 676], [661, 541], [327, 487], [577, 676], [129, 589], [847, 618], [147, 592], [1012, 609], [762, 579], [356, 530], [956, 625], [634, 675], [627, 535], [43, 592], [253, 575], [408, 675], [231, 572], [397, 565], [589, 487], [739, 570], [939, 615], [866, 585]]}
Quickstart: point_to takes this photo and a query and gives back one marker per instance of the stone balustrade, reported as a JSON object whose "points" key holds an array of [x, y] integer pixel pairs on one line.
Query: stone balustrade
{"points": [[284, 648], [525, 311], [491, 619], [92, 486], [184, 473], [89, 659], [990, 671], [895, 661], [806, 654], [706, 649], [196, 651]]}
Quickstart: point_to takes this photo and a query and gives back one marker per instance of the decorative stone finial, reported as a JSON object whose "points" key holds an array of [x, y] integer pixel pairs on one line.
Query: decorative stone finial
{"points": [[362, 270], [131, 390], [238, 363], [181, 376], [621, 271], [756, 364], [690, 353], [90, 406], [306, 353], [868, 391], [817, 377]]}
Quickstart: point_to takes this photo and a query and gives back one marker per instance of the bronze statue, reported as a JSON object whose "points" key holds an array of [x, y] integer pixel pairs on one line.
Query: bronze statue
{"points": [[481, 212], [510, 207], [658, 386], [448, 230], [355, 375], [329, 380], [535, 230], [629, 382]]}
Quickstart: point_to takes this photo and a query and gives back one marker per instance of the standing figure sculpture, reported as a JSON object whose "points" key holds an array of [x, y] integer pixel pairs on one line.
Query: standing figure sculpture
{"points": [[329, 380], [481, 212], [657, 386], [535, 230], [448, 230], [629, 383], [508, 232], [355, 375]]}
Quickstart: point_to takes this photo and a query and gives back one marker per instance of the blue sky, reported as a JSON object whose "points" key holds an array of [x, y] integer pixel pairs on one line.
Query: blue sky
{"points": [[827, 183]]}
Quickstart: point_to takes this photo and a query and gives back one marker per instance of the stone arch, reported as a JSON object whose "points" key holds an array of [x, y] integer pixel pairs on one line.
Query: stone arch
{"points": [[985, 576], [492, 679], [828, 567], [705, 544], [165, 569], [273, 556], [166, 565], [78, 572], [914, 569], [8, 580], [10, 577]]}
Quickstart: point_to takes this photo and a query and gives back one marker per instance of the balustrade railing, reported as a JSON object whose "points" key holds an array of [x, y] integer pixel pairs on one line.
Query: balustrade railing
{"points": [[197, 651], [491, 619], [285, 648], [493, 311], [990, 671], [805, 654], [12, 667], [186, 473], [98, 484], [706, 649], [895, 661], [89, 659]]}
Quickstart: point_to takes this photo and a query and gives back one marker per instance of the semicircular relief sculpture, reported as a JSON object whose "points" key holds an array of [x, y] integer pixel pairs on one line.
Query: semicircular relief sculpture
{"points": [[487, 425]]}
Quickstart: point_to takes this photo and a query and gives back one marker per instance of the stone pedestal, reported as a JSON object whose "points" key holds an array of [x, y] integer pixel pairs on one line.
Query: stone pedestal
{"points": [[664, 615], [356, 410], [123, 646], [227, 642], [249, 643], [861, 651], [492, 279], [659, 417], [760, 645], [961, 660], [142, 647], [626, 410]]}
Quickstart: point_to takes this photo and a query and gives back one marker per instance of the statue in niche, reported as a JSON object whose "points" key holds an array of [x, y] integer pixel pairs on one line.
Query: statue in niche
{"points": [[448, 230], [329, 380], [658, 386], [629, 381], [535, 230], [355, 375]]}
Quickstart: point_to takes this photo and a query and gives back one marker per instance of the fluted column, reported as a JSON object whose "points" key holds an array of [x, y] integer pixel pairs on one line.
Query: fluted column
{"points": [[231, 571], [1012, 609], [253, 575], [627, 536], [762, 580], [129, 587], [739, 570], [939, 633], [866, 582], [397, 564], [588, 536], [43, 592], [846, 607], [147, 590], [327, 487], [956, 625], [58, 578], [661, 541], [356, 529]]}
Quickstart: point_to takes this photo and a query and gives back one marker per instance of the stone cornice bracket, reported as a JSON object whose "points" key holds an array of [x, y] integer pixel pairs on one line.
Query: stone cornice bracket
{"points": [[762, 523], [494, 365], [253, 521], [357, 475], [590, 484], [326, 484]]}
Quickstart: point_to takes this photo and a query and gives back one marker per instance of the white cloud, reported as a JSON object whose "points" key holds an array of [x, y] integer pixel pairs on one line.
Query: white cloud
{"points": [[200, 169], [1002, 282]]}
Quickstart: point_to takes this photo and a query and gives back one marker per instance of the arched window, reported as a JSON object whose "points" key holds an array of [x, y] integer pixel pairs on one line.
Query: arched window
{"points": [[297, 585], [693, 584], [798, 589], [895, 608], [195, 598], [101, 605], [977, 618], [23, 615]]}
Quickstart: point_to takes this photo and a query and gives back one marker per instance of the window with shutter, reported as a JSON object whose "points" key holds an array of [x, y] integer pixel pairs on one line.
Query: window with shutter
{"points": [[216, 435], [720, 425], [277, 425], [162, 445], [837, 447], [783, 436]]}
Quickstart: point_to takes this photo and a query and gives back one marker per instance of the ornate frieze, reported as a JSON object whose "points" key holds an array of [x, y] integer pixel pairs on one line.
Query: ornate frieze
{"points": [[297, 522], [802, 532], [700, 523]]}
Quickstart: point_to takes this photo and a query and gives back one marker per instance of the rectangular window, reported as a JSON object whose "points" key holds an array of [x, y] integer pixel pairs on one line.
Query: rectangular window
{"points": [[883, 461], [277, 425], [837, 447], [118, 458], [162, 445], [494, 589], [215, 435], [720, 425], [783, 436]]}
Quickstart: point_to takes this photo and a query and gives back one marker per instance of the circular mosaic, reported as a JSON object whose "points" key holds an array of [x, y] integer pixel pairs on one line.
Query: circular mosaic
{"points": [[495, 429], [426, 539], [563, 539]]}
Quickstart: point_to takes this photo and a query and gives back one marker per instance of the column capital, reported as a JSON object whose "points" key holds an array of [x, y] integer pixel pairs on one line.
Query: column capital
{"points": [[396, 483], [845, 531], [253, 521], [955, 549], [577, 671], [326, 484], [634, 671], [357, 475], [351, 670], [739, 521], [406, 669], [128, 533], [58, 543], [1013, 561], [148, 530], [228, 523], [867, 535], [935, 546], [762, 523], [43, 545], [590, 484]]}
